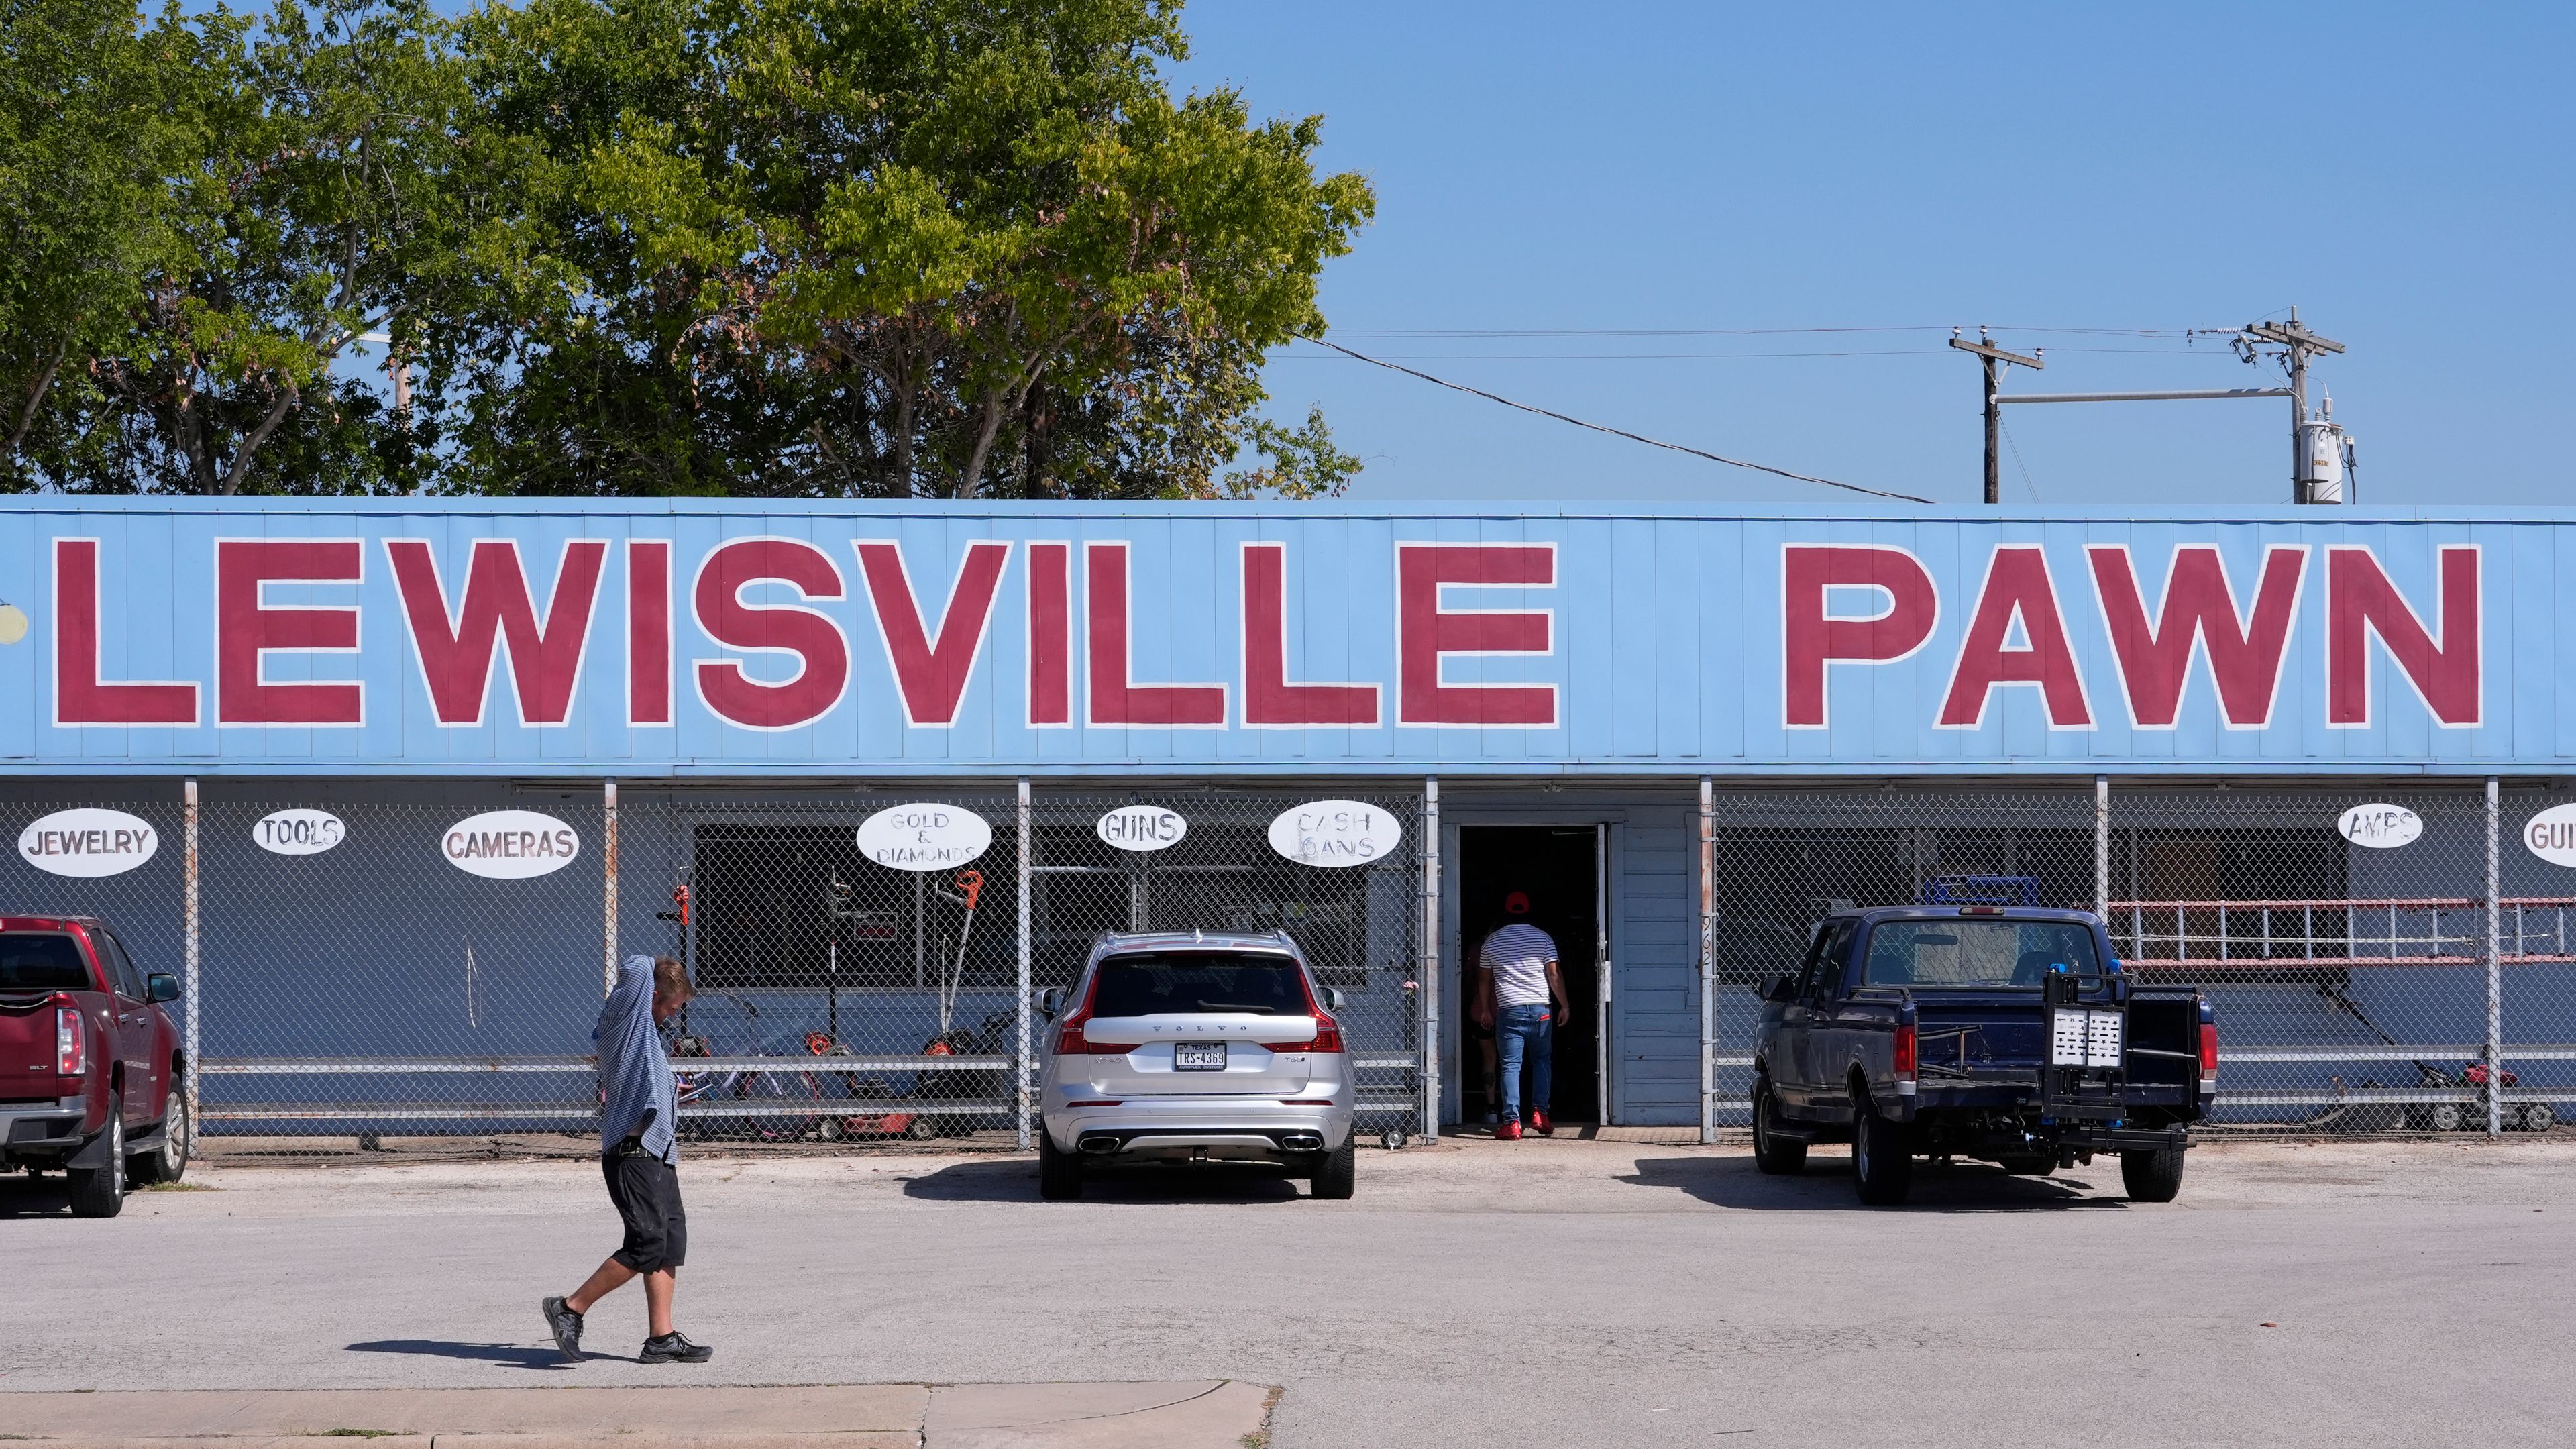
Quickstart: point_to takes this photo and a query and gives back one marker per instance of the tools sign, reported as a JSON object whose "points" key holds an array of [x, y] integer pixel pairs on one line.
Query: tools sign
{"points": [[299, 832], [924, 837], [2551, 835], [88, 843], [510, 845], [1335, 833], [1142, 827], [2380, 827]]}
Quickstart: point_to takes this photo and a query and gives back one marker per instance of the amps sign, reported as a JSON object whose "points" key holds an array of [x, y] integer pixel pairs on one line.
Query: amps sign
{"points": [[631, 638]]}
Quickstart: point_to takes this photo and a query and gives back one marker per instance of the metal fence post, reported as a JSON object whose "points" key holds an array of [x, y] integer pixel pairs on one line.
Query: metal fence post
{"points": [[190, 965], [1429, 971], [1707, 960], [2102, 848], [2495, 973], [1028, 853], [608, 903]]}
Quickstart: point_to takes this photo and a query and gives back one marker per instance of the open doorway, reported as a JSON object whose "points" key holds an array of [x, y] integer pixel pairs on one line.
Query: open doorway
{"points": [[1559, 867]]}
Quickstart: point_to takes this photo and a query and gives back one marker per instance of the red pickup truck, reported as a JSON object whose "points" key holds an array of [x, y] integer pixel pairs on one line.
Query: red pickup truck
{"points": [[91, 1067]]}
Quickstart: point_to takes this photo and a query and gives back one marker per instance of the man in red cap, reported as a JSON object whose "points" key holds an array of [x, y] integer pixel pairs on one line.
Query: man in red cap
{"points": [[1521, 997]]}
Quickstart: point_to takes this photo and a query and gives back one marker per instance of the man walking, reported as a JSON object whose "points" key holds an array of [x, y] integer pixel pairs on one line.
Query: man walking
{"points": [[639, 1154], [1516, 986]]}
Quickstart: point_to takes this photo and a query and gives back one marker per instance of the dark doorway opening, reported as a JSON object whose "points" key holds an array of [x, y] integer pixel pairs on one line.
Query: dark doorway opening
{"points": [[1560, 869]]}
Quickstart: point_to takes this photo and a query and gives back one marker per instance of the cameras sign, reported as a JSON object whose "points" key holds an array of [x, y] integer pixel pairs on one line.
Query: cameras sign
{"points": [[510, 845], [88, 843]]}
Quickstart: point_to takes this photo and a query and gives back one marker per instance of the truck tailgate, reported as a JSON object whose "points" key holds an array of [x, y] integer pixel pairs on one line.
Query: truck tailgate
{"points": [[27, 1044], [1972, 1035]]}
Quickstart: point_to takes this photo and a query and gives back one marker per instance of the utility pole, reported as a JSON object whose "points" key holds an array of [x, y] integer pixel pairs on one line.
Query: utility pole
{"points": [[1996, 360], [2297, 341]]}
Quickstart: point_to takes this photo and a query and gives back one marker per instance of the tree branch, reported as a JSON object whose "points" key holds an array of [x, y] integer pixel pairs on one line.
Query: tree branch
{"points": [[238, 472], [36, 394]]}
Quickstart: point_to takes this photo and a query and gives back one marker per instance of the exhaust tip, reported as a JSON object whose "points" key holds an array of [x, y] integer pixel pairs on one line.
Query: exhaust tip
{"points": [[1302, 1142], [1099, 1142]]}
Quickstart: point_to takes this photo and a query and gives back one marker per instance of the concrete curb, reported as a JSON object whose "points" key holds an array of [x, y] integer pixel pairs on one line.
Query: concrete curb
{"points": [[1202, 1414]]}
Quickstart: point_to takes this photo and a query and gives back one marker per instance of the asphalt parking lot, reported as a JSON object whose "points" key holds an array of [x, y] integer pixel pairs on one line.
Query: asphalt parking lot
{"points": [[1473, 1293]]}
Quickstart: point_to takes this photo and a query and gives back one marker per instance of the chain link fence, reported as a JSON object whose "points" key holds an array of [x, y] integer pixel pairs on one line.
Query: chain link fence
{"points": [[373, 984]]}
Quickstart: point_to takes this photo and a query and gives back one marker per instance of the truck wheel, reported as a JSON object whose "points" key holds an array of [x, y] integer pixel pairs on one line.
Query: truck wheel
{"points": [[1776, 1155], [2539, 1117], [170, 1162], [2445, 1117], [2154, 1175], [1882, 1165], [99, 1192], [1059, 1173], [1337, 1173]]}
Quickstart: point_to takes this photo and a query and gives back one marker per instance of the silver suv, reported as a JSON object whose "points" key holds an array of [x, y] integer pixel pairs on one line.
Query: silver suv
{"points": [[1194, 1047]]}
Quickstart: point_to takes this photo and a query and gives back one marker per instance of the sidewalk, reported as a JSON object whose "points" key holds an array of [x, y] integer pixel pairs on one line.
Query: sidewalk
{"points": [[1209, 1414]]}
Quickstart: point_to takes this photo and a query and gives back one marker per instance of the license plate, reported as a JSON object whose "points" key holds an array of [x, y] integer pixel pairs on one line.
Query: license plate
{"points": [[1198, 1056]]}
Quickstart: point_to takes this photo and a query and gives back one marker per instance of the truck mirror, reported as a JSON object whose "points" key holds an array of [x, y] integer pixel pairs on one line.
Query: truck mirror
{"points": [[1048, 1001], [161, 986]]}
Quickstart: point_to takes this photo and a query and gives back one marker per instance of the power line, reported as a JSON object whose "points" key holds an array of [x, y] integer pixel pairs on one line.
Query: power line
{"points": [[1616, 432], [1705, 356], [1434, 332]]}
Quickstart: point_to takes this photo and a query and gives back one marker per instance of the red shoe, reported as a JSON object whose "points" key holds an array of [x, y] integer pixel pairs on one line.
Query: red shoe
{"points": [[1508, 1132], [1540, 1125]]}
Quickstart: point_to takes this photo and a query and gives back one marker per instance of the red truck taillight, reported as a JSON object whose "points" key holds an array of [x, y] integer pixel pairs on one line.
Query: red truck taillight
{"points": [[2209, 1051], [1905, 1052], [71, 1042]]}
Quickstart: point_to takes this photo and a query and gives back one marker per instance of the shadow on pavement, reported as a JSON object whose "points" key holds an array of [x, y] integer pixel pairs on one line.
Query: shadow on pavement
{"points": [[513, 1354], [1016, 1180], [41, 1198], [1826, 1186]]}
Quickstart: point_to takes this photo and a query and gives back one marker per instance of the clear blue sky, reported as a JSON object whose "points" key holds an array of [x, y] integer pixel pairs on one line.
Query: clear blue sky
{"points": [[2401, 174]]}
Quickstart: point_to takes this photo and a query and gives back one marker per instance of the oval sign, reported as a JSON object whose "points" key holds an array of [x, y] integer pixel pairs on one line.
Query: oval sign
{"points": [[509, 845], [2381, 827], [299, 832], [1335, 833], [924, 837], [2551, 835], [1142, 827], [88, 843]]}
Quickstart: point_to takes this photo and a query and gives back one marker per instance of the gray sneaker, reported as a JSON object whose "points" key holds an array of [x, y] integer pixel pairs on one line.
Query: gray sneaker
{"points": [[566, 1326], [674, 1347]]}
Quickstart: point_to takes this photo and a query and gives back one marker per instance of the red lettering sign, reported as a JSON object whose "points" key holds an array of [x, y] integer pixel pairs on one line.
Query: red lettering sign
{"points": [[80, 696], [1115, 699], [2017, 586], [1812, 640], [454, 648], [2443, 668], [1425, 633], [648, 631], [822, 655], [1050, 635], [931, 678], [2199, 612], [1270, 701], [248, 629]]}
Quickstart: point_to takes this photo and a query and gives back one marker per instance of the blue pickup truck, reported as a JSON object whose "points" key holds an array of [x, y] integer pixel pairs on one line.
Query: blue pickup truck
{"points": [[2006, 1033]]}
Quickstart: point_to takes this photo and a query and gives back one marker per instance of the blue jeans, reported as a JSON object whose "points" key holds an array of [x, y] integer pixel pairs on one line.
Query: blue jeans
{"points": [[1525, 1031]]}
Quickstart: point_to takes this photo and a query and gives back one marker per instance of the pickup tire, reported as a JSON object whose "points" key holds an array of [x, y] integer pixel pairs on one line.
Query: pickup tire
{"points": [[1337, 1172], [169, 1161], [1779, 1156], [2154, 1175], [1882, 1158], [99, 1192], [1059, 1173]]}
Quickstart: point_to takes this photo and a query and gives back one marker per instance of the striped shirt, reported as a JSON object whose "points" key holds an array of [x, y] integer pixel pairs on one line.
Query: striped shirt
{"points": [[1518, 955]]}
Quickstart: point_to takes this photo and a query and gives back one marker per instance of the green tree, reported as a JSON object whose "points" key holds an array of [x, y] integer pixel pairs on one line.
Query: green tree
{"points": [[285, 186], [878, 248]]}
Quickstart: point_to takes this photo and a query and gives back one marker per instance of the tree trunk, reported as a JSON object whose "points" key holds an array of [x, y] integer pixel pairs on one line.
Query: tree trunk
{"points": [[36, 395], [238, 471]]}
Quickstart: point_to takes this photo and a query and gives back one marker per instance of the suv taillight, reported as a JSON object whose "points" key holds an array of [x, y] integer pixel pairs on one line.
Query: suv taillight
{"points": [[71, 1042], [2209, 1051], [1327, 1038], [1069, 1038], [1905, 1052]]}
